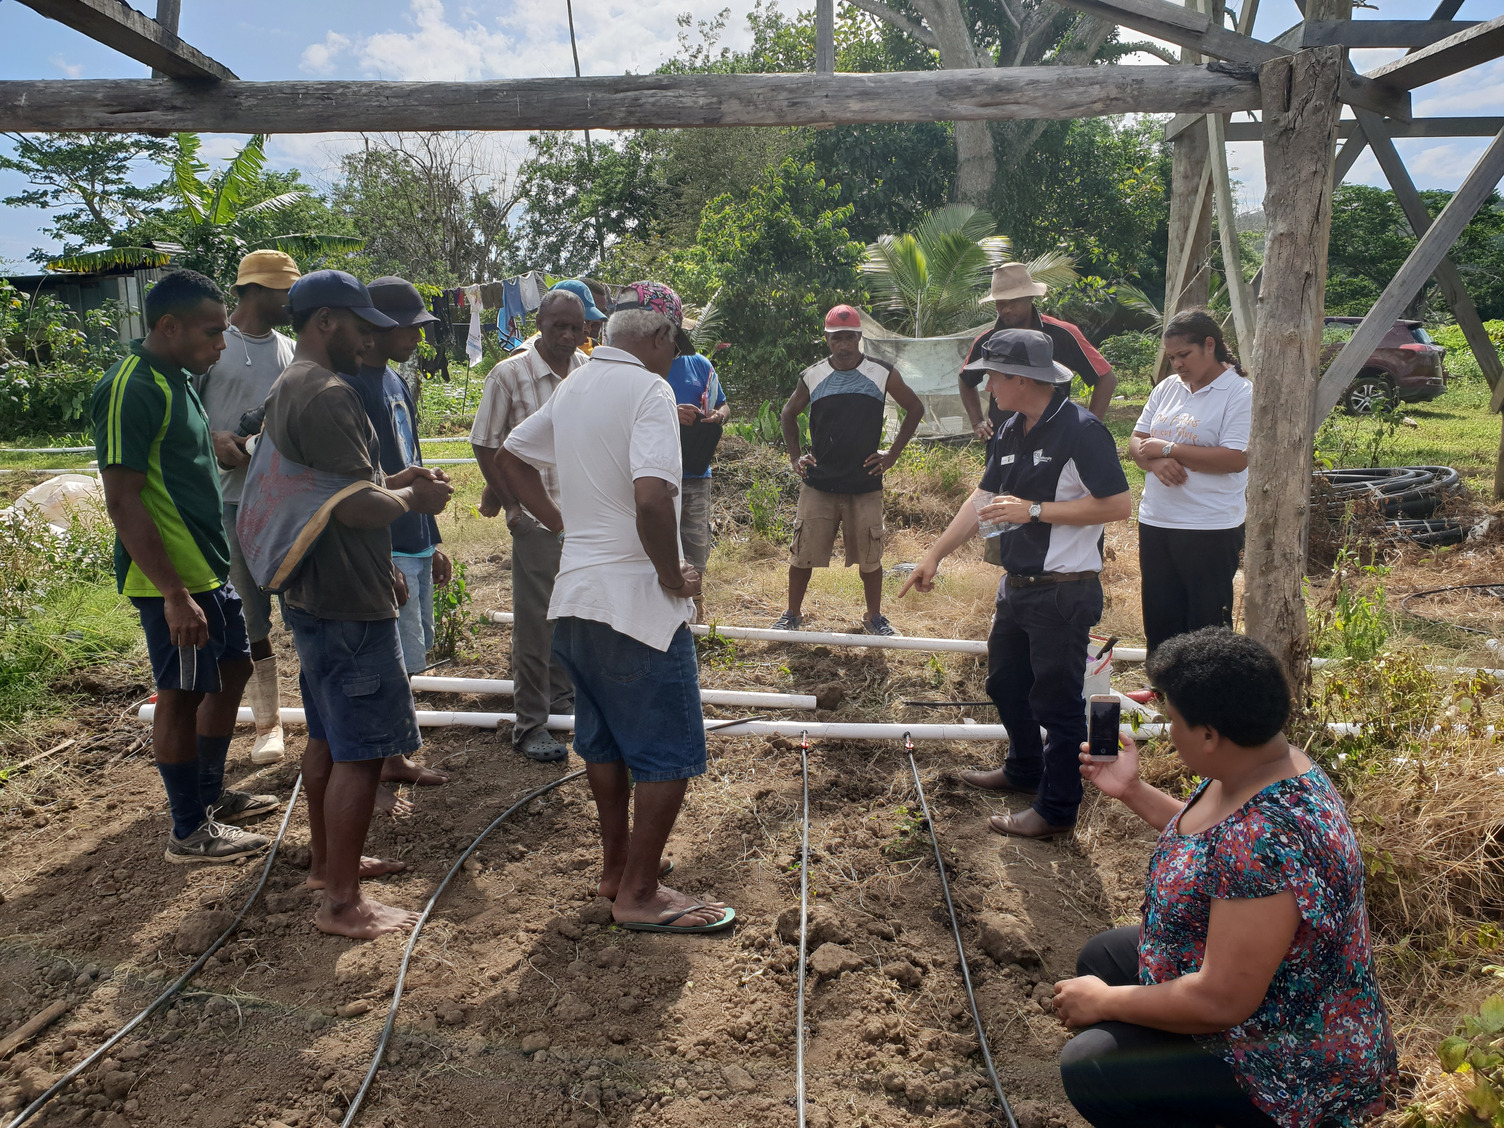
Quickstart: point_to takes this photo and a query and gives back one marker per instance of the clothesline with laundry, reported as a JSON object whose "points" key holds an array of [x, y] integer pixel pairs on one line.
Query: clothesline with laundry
{"points": [[513, 299]]}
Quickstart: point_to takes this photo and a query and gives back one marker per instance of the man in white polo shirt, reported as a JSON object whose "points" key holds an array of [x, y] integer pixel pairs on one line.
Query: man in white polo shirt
{"points": [[624, 597]]}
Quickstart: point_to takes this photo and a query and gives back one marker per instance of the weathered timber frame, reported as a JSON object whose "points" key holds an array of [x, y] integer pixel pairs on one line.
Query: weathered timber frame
{"points": [[1298, 82]]}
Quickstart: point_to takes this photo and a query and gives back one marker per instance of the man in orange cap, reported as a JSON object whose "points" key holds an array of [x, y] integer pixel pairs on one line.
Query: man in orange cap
{"points": [[846, 394], [255, 355]]}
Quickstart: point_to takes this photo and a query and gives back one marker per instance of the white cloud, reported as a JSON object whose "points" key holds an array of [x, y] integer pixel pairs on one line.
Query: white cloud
{"points": [[72, 70], [319, 58], [446, 40]]}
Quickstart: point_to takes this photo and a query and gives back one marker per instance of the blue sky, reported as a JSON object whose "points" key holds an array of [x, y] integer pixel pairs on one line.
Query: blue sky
{"points": [[474, 39]]}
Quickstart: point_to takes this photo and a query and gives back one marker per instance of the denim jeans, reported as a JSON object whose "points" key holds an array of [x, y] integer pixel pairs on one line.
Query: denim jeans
{"points": [[415, 617], [1036, 668]]}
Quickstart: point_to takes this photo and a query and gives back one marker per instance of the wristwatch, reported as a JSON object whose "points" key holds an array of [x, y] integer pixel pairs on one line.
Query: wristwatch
{"points": [[1034, 511], [1164, 451]]}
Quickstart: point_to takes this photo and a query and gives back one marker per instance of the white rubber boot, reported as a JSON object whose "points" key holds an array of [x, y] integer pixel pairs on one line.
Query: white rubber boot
{"points": [[262, 695]]}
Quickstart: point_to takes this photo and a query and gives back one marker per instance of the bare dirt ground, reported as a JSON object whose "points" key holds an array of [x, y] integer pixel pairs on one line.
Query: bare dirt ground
{"points": [[524, 1006]]}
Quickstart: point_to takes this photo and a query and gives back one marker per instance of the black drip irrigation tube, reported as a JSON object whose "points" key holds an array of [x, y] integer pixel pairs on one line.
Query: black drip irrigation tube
{"points": [[803, 924], [391, 1015], [181, 982], [1406, 496], [955, 928], [1496, 590]]}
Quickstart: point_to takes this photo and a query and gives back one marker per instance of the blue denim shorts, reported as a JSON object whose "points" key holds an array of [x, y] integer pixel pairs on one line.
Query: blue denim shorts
{"points": [[355, 691], [633, 703], [197, 671]]}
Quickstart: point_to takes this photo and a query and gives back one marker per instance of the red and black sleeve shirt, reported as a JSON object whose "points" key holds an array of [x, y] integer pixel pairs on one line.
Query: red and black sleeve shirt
{"points": [[1072, 349]]}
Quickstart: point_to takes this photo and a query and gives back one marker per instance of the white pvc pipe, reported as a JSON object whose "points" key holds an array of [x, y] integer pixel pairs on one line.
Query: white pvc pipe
{"points": [[709, 696], [449, 462], [714, 726]]}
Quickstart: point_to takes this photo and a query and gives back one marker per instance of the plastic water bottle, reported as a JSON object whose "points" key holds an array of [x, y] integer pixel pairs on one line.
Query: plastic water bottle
{"points": [[989, 529]]}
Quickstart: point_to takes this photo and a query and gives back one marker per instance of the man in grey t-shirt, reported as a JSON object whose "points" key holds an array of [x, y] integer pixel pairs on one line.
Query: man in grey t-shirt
{"points": [[255, 355]]}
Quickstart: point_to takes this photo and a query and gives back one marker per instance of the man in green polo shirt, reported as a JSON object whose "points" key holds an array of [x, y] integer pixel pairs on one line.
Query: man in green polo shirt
{"points": [[161, 488]]}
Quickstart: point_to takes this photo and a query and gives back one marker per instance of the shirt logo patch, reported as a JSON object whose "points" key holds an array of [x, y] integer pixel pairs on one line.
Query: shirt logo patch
{"points": [[1005, 460], [1040, 456]]}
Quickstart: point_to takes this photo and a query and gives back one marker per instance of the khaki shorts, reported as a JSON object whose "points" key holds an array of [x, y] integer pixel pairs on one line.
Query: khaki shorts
{"points": [[859, 517]]}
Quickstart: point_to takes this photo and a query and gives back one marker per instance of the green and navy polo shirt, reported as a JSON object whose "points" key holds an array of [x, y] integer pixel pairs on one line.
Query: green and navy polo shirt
{"points": [[148, 418]]}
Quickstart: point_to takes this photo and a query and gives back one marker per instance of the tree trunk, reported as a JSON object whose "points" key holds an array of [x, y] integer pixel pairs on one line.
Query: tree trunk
{"points": [[1301, 108], [976, 156]]}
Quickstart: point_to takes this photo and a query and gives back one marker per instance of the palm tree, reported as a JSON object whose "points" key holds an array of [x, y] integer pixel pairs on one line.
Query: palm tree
{"points": [[221, 226], [934, 276]]}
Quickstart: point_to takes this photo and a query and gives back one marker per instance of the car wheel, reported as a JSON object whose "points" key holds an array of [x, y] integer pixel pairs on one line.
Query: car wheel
{"points": [[1370, 392]]}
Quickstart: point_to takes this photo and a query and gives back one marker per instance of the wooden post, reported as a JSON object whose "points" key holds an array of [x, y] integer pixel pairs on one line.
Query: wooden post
{"points": [[168, 12], [825, 36], [1300, 128]]}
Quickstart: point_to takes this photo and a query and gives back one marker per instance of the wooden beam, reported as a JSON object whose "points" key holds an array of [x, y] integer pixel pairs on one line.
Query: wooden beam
{"points": [[1227, 232], [622, 102], [1418, 267], [169, 12], [1300, 118], [1348, 127], [117, 25], [1199, 32], [1478, 44], [1370, 33]]}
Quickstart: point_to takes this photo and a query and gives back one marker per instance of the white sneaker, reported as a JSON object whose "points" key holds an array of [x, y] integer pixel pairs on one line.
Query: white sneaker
{"points": [[269, 747]]}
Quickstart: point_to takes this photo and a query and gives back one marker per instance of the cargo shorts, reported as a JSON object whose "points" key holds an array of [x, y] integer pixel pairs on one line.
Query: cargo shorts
{"points": [[859, 518]]}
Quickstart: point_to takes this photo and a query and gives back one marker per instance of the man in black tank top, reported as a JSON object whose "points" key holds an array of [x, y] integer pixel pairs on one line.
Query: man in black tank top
{"points": [[846, 394]]}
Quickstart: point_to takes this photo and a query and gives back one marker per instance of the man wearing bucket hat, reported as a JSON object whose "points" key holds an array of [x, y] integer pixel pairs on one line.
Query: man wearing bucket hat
{"points": [[255, 355], [342, 602], [842, 474], [1013, 292], [1052, 481]]}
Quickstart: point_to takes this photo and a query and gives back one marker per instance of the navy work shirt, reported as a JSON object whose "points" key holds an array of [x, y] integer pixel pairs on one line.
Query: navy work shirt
{"points": [[1068, 455]]}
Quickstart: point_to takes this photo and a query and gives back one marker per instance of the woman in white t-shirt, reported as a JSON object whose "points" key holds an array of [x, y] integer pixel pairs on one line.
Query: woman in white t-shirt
{"points": [[1192, 441]]}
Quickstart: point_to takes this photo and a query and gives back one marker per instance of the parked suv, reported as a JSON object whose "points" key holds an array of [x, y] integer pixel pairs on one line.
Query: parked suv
{"points": [[1407, 366]]}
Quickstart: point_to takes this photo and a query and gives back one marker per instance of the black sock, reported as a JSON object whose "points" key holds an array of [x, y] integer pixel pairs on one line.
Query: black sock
{"points": [[212, 751]]}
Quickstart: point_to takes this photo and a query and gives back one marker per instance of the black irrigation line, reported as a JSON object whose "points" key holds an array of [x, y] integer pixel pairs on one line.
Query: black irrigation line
{"points": [[803, 923], [412, 941], [181, 982], [1494, 589], [976, 1015]]}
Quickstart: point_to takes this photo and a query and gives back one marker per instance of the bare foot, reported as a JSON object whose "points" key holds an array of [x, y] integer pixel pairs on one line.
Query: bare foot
{"points": [[666, 902], [395, 768], [364, 919], [609, 886], [369, 867], [390, 803]]}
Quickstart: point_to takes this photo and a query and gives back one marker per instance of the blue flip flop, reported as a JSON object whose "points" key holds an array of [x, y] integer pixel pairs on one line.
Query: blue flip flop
{"points": [[668, 925]]}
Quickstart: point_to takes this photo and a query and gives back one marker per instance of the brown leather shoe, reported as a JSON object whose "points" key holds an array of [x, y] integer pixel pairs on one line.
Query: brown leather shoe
{"points": [[1027, 823], [997, 780]]}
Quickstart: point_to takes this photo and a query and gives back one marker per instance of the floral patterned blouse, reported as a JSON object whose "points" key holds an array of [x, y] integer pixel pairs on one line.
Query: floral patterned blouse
{"points": [[1318, 1051]]}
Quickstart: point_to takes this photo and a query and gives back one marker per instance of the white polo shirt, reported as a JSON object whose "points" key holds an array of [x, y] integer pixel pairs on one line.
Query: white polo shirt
{"points": [[610, 423], [1220, 415]]}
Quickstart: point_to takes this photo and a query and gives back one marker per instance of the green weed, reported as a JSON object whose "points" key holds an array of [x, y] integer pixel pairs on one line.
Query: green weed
{"points": [[453, 623]]}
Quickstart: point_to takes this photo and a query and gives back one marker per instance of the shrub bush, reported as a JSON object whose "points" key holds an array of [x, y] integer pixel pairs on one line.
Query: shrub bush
{"points": [[1461, 364], [1132, 354]]}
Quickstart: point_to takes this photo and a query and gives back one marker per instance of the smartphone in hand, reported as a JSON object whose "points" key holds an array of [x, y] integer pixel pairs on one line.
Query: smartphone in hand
{"points": [[1105, 713]]}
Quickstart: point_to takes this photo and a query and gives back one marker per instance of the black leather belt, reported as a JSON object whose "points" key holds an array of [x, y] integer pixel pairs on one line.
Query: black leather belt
{"points": [[1020, 579]]}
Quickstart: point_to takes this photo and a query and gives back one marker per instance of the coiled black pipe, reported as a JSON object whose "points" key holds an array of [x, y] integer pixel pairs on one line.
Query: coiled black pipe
{"points": [[412, 941], [1397, 491], [177, 986], [955, 928]]}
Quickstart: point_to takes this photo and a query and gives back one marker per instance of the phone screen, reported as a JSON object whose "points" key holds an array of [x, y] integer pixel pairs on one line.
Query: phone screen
{"points": [[1102, 737]]}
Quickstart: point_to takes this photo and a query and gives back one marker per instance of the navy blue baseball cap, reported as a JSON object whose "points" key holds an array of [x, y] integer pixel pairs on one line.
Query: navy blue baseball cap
{"points": [[334, 289], [399, 299]]}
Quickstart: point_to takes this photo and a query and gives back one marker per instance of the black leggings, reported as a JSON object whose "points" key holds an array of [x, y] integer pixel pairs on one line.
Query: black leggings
{"points": [[1120, 1075]]}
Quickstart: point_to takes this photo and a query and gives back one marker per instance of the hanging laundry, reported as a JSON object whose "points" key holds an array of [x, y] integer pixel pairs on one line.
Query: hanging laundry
{"points": [[490, 294], [474, 349], [512, 310], [532, 286]]}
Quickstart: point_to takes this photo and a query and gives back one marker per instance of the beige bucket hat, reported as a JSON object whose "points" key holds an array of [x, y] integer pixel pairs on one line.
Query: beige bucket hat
{"points": [[1010, 281]]}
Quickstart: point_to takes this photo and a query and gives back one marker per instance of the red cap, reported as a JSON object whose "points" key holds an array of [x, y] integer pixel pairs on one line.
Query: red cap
{"points": [[843, 319]]}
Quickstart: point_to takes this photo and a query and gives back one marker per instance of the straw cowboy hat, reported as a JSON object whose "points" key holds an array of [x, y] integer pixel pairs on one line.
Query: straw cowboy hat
{"points": [[1010, 281]]}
